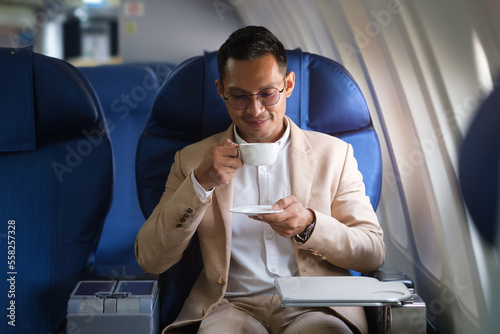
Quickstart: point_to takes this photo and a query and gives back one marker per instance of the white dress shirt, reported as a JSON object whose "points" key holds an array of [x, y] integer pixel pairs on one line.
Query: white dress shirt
{"points": [[258, 254]]}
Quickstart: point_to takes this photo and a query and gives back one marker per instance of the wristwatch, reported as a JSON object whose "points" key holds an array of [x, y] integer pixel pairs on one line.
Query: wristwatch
{"points": [[307, 232]]}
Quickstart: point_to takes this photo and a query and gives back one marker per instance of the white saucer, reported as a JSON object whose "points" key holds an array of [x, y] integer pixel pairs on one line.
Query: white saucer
{"points": [[254, 209]]}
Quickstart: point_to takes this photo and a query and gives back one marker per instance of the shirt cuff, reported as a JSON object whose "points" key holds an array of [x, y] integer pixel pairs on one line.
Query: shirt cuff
{"points": [[203, 195]]}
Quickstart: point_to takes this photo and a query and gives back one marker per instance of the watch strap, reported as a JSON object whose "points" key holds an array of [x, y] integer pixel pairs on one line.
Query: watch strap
{"points": [[307, 232]]}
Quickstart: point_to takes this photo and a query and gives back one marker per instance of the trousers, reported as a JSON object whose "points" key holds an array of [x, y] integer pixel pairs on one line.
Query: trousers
{"points": [[265, 314]]}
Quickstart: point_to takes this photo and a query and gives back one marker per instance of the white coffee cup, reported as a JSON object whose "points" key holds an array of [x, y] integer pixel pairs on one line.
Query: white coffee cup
{"points": [[258, 154]]}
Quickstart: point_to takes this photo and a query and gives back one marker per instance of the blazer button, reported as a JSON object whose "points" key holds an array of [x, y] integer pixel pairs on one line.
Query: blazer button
{"points": [[313, 252], [220, 281], [182, 220], [178, 225], [189, 211], [185, 215]]}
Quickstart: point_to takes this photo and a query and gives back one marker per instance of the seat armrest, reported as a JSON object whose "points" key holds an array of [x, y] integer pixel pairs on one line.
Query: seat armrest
{"points": [[393, 275], [410, 317]]}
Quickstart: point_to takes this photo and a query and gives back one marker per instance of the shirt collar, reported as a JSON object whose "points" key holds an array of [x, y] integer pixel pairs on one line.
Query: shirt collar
{"points": [[281, 142]]}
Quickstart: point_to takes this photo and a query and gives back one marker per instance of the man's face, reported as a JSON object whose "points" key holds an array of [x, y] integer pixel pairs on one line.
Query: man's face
{"points": [[256, 123]]}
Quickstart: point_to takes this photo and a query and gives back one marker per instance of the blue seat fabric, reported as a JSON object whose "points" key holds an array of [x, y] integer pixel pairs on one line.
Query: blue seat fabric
{"points": [[58, 192], [126, 93], [479, 167], [188, 109]]}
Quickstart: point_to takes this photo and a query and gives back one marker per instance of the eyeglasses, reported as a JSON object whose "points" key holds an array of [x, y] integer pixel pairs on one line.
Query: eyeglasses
{"points": [[267, 97]]}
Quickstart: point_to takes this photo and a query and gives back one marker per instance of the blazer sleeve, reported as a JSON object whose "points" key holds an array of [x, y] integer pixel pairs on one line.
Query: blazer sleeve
{"points": [[347, 234], [167, 232]]}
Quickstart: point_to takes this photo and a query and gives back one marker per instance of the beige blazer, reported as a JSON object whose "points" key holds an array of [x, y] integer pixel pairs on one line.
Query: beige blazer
{"points": [[325, 178]]}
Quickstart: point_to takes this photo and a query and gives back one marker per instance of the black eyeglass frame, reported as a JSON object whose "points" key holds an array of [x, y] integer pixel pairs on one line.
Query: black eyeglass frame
{"points": [[257, 94]]}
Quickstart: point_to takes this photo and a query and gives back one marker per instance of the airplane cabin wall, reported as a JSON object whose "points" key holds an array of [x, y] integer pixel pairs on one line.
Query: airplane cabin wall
{"points": [[424, 67]]}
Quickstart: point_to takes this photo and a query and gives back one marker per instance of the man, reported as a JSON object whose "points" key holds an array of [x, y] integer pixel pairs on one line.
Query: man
{"points": [[326, 227]]}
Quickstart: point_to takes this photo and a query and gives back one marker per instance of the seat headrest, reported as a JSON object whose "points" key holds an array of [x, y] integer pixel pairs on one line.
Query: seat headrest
{"points": [[132, 87], [320, 84], [17, 115], [178, 108], [36, 93], [479, 167]]}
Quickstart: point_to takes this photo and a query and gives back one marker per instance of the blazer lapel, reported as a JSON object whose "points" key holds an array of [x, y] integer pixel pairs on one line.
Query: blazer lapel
{"points": [[303, 167], [224, 196]]}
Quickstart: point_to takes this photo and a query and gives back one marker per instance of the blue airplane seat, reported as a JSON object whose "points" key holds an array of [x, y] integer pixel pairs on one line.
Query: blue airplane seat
{"points": [[161, 70], [479, 167], [126, 93], [188, 109], [56, 177]]}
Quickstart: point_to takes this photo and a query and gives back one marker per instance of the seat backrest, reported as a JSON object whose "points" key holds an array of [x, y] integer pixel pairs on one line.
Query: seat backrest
{"points": [[126, 93], [188, 109], [479, 167], [56, 175]]}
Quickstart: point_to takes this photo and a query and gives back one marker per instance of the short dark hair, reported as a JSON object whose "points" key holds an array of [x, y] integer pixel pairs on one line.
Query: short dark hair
{"points": [[250, 43]]}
